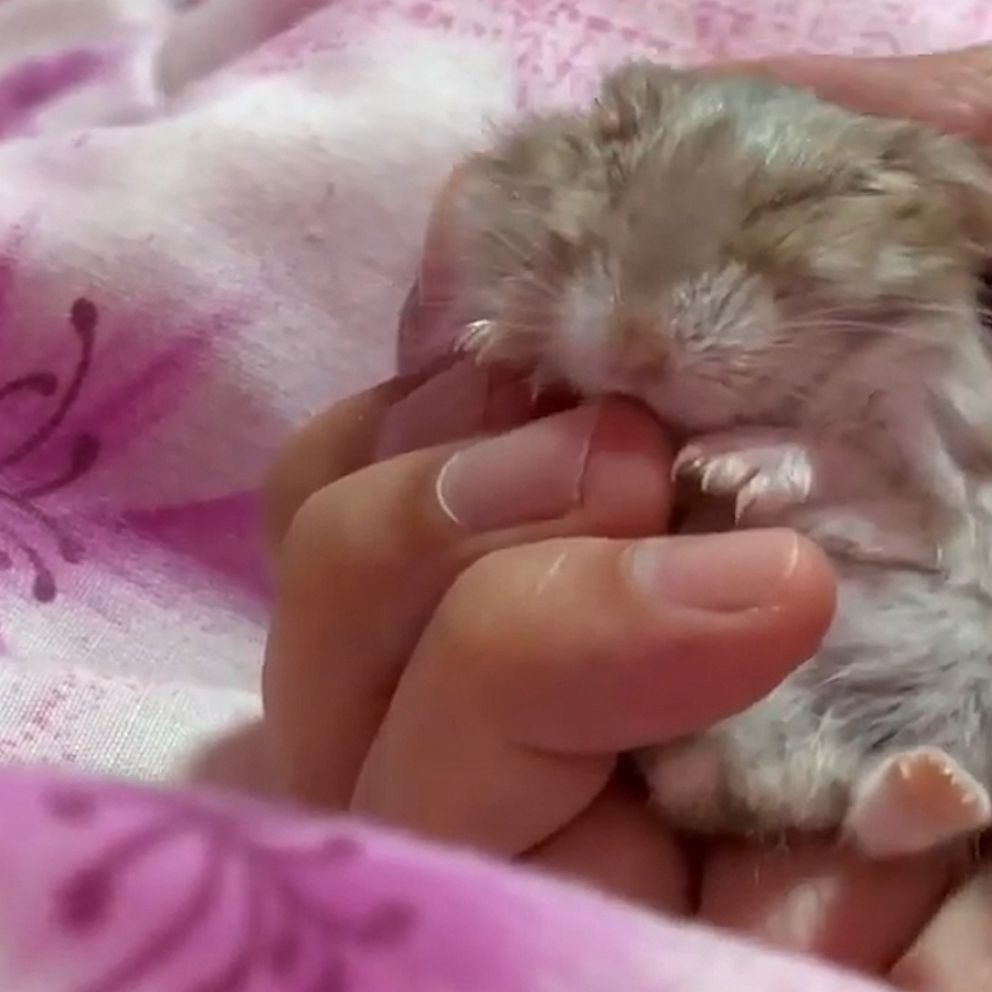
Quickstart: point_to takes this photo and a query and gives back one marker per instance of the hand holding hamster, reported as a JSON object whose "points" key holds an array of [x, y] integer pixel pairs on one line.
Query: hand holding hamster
{"points": [[792, 288]]}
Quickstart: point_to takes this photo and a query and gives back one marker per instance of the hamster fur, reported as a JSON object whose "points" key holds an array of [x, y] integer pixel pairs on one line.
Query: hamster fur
{"points": [[792, 288]]}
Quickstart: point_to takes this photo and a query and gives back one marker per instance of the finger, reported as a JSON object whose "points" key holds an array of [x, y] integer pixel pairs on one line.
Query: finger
{"points": [[620, 846], [332, 444], [949, 90], [459, 401], [817, 898], [424, 331], [367, 559], [544, 661], [954, 952]]}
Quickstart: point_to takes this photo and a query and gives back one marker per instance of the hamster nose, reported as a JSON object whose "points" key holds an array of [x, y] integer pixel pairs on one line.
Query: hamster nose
{"points": [[640, 346]]}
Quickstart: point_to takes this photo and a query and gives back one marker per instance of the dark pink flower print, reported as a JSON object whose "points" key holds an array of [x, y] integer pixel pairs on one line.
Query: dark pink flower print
{"points": [[276, 920], [220, 535], [8, 264], [25, 88], [30, 535]]}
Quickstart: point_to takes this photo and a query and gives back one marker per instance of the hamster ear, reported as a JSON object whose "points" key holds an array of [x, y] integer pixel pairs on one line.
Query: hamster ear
{"points": [[635, 95]]}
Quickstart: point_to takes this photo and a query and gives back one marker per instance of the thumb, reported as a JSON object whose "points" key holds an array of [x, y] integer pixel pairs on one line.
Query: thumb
{"points": [[544, 661]]}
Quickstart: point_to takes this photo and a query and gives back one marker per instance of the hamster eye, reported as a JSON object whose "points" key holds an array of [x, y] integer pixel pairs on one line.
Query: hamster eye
{"points": [[786, 198], [777, 202]]}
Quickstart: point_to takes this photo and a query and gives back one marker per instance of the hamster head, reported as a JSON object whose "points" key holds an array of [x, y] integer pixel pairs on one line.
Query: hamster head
{"points": [[716, 246]]}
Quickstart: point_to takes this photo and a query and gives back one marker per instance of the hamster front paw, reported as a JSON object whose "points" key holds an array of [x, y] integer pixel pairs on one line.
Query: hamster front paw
{"points": [[914, 801], [762, 472], [493, 342]]}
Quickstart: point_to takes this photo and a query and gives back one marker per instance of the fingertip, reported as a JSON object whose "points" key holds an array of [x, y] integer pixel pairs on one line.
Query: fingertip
{"points": [[774, 572], [626, 483], [747, 607]]}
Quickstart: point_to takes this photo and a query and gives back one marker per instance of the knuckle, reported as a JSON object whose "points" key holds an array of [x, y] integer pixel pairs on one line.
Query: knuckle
{"points": [[317, 537], [473, 620]]}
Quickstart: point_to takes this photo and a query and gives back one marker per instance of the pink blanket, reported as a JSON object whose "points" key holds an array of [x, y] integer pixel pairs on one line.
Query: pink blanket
{"points": [[209, 216], [120, 890]]}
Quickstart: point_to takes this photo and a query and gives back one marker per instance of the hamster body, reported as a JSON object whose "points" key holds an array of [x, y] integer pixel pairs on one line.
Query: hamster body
{"points": [[792, 288]]}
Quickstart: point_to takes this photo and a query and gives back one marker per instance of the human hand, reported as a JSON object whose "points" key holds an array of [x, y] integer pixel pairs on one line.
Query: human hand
{"points": [[468, 633]]}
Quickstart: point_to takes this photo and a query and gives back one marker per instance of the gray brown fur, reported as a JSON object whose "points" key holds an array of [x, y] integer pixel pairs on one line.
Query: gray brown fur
{"points": [[793, 286]]}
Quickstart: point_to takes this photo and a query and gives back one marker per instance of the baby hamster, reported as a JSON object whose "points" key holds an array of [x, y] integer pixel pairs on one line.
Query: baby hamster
{"points": [[792, 287]]}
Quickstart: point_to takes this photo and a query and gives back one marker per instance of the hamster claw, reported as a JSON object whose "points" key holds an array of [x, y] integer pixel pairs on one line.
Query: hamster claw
{"points": [[723, 475], [476, 338], [688, 463], [763, 476], [753, 496], [494, 343], [914, 801]]}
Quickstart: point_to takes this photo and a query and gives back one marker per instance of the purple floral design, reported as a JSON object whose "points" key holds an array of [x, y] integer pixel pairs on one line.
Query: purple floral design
{"points": [[30, 85], [288, 934], [30, 533]]}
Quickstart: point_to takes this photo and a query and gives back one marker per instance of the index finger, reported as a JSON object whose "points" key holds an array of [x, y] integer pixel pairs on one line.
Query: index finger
{"points": [[418, 410]]}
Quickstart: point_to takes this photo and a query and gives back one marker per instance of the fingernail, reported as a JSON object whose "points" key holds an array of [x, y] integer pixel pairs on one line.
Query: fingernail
{"points": [[715, 572], [530, 474]]}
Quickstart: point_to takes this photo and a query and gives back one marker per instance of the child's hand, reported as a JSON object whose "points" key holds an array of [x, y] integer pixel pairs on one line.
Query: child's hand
{"points": [[468, 634]]}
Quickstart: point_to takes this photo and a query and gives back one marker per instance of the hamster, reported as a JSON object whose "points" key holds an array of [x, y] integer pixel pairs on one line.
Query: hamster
{"points": [[792, 287]]}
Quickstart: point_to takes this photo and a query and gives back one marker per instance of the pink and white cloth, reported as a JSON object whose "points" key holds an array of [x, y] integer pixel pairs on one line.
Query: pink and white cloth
{"points": [[125, 890], [210, 213]]}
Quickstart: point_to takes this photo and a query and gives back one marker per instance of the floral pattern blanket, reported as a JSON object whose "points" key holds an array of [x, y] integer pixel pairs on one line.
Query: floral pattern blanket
{"points": [[210, 213]]}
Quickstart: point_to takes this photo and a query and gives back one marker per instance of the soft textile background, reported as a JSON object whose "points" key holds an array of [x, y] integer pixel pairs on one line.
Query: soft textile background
{"points": [[209, 216], [121, 890]]}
